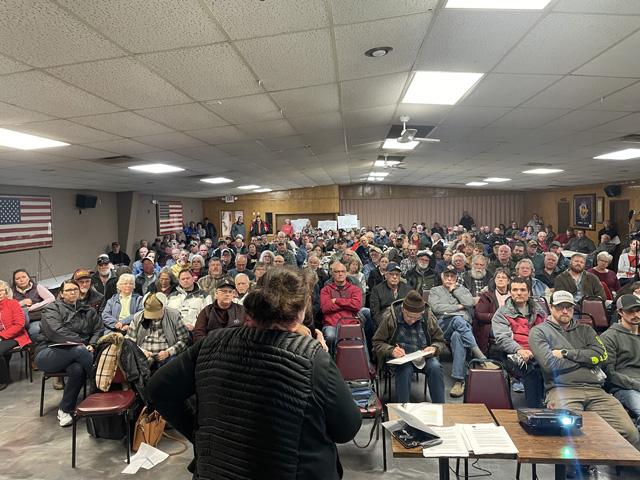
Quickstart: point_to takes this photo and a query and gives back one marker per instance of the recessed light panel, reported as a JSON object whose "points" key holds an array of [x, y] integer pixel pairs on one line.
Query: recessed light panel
{"points": [[24, 141], [440, 88], [216, 180], [393, 144], [387, 163], [156, 168], [626, 154], [378, 174], [499, 4], [476, 184], [249, 187], [263, 190], [543, 171], [496, 179]]}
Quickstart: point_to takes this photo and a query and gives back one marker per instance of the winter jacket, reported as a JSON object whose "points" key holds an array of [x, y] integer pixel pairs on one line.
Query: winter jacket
{"points": [[111, 311], [238, 229], [623, 365], [93, 299], [591, 286], [12, 322], [384, 340], [271, 404], [483, 314], [189, 304], [444, 303], [209, 319], [382, 297], [470, 284], [348, 302], [40, 296], [422, 280], [259, 228], [172, 326], [584, 348], [582, 245], [511, 328], [62, 322]]}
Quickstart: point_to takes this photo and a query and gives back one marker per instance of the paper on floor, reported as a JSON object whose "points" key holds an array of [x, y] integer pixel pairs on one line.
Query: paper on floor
{"points": [[146, 457]]}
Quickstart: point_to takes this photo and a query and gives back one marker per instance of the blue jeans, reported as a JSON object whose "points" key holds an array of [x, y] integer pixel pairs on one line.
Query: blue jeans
{"points": [[367, 326], [457, 331], [435, 380], [76, 361], [630, 399]]}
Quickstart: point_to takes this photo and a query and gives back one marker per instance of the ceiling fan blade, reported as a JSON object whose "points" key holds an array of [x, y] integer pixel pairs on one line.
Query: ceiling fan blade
{"points": [[427, 140]]}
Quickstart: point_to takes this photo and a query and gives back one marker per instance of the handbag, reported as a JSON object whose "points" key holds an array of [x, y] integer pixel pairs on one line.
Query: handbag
{"points": [[149, 429]]}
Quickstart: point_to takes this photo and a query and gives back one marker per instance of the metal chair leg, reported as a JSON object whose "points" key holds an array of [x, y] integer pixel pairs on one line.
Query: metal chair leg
{"points": [[127, 428], [44, 379], [466, 469], [384, 447], [518, 465], [73, 442], [27, 365], [534, 474]]}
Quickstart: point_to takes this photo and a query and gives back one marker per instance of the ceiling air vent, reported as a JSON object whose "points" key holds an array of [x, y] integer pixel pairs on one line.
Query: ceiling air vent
{"points": [[392, 158], [633, 138], [538, 164], [115, 160]]}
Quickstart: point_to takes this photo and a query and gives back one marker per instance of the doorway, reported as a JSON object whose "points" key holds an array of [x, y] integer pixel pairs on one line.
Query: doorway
{"points": [[619, 215], [563, 217]]}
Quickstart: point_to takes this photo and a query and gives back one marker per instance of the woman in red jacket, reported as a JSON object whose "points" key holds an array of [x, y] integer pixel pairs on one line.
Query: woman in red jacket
{"points": [[487, 305], [12, 332]]}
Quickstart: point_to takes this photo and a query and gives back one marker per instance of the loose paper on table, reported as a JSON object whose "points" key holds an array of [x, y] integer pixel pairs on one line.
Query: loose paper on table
{"points": [[409, 357]]}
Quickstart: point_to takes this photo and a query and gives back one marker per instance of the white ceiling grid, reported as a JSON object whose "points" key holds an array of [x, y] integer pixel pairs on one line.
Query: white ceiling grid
{"points": [[280, 94]]}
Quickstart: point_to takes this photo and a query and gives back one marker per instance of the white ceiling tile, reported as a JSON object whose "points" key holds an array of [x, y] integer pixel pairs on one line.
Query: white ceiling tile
{"points": [[123, 146], [305, 101], [373, 91], [243, 148], [8, 65], [599, 6], [125, 124], [81, 152], [576, 91], [629, 124], [404, 34], [292, 142], [290, 61], [369, 117], [170, 141], [270, 128], [582, 120], [170, 157], [248, 19], [616, 62], [474, 116], [505, 90], [424, 114], [38, 91], [562, 42], [251, 108], [150, 24], [11, 115], [529, 117], [65, 131], [351, 11], [41, 34], [204, 154], [188, 116], [123, 81], [626, 100], [467, 40], [219, 135], [205, 73], [321, 121]]}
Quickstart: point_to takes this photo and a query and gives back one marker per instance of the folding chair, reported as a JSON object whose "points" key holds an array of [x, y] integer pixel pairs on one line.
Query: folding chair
{"points": [[24, 354], [542, 302], [595, 307], [46, 376]]}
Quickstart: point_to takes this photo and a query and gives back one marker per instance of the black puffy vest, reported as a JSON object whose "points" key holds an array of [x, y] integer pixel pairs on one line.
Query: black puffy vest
{"points": [[253, 388]]}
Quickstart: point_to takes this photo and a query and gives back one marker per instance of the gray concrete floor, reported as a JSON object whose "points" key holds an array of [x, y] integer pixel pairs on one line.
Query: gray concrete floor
{"points": [[37, 448]]}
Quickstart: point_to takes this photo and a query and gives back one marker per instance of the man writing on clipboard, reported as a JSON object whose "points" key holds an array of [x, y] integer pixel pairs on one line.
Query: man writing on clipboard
{"points": [[407, 327]]}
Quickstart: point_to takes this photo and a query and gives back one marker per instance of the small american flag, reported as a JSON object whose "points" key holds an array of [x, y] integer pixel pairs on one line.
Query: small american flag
{"points": [[25, 223], [169, 217]]}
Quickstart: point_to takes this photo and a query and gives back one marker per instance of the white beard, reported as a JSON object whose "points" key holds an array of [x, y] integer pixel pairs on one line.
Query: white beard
{"points": [[478, 274]]}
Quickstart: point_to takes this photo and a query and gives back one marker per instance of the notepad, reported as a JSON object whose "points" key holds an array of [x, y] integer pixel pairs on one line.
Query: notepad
{"points": [[464, 439], [409, 357], [419, 415]]}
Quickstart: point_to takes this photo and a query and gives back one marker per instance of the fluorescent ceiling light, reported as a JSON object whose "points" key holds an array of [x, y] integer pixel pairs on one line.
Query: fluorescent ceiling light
{"points": [[216, 180], [393, 144], [378, 174], [387, 163], [375, 179], [24, 141], [476, 184], [249, 187], [626, 154], [496, 179], [156, 168], [499, 4], [543, 171], [440, 88], [263, 190]]}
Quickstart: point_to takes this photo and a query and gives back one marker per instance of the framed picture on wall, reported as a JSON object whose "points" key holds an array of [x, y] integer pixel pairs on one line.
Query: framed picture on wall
{"points": [[600, 210], [226, 219], [584, 211]]}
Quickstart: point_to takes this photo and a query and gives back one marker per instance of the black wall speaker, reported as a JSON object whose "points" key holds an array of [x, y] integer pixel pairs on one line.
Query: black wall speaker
{"points": [[612, 190], [86, 201]]}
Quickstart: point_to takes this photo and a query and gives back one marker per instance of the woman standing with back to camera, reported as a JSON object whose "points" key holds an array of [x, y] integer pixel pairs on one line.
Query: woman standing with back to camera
{"points": [[271, 404]]}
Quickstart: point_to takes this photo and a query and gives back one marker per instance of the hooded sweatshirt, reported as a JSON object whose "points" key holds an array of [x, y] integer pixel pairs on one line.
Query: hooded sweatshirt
{"points": [[585, 351], [511, 328], [623, 366]]}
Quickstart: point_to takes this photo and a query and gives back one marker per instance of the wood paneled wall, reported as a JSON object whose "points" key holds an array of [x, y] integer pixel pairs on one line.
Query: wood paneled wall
{"points": [[301, 200]]}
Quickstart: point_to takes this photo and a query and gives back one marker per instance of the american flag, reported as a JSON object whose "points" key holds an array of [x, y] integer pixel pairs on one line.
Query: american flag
{"points": [[25, 223], [169, 217]]}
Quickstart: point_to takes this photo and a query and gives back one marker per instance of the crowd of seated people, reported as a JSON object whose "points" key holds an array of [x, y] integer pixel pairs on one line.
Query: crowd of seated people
{"points": [[478, 291]]}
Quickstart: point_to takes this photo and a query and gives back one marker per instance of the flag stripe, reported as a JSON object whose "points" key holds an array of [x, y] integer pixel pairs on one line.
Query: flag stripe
{"points": [[25, 223], [170, 217]]}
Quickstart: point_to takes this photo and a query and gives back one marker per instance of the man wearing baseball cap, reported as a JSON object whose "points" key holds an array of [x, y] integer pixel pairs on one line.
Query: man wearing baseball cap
{"points": [[623, 345], [103, 273], [387, 292], [88, 295], [222, 313], [571, 356], [405, 328]]}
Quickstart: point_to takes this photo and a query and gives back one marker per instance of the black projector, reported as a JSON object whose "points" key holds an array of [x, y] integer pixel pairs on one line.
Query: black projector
{"points": [[545, 421]]}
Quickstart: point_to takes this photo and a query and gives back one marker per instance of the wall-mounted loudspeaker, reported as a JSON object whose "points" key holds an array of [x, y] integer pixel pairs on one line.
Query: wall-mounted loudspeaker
{"points": [[86, 201], [612, 190]]}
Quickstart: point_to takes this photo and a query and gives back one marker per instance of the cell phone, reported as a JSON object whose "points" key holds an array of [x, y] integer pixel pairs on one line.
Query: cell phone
{"points": [[410, 437]]}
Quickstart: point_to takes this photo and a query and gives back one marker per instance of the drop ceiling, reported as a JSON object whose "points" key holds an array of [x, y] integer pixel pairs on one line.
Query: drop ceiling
{"points": [[279, 93]]}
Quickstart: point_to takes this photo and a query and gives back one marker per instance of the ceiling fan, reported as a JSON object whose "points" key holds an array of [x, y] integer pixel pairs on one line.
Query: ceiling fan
{"points": [[395, 164], [409, 134]]}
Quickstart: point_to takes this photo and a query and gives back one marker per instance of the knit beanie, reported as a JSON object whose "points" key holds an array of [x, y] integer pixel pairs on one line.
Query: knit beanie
{"points": [[413, 302]]}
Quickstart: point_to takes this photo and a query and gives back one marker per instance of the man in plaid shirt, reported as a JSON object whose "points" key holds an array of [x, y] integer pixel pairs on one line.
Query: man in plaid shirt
{"points": [[158, 330]]}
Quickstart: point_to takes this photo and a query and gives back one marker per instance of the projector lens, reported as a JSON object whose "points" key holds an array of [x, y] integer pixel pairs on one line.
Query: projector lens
{"points": [[566, 421]]}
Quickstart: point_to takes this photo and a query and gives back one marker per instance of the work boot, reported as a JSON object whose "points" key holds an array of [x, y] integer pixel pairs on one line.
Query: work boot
{"points": [[457, 390], [489, 365], [32, 359], [58, 384]]}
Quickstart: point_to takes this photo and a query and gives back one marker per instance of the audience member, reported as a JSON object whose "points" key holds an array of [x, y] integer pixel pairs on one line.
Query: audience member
{"points": [[12, 331], [488, 303], [33, 298], [628, 263], [241, 267], [577, 282], [243, 285], [606, 276], [88, 295], [117, 257], [503, 260], [387, 292], [524, 269], [476, 279], [549, 271], [222, 313], [119, 309], [103, 273], [188, 299], [580, 243]]}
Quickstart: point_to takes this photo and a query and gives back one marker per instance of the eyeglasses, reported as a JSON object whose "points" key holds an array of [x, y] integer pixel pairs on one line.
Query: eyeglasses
{"points": [[71, 290], [563, 307]]}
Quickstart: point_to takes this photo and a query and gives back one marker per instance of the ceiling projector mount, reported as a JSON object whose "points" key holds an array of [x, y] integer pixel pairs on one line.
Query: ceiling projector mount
{"points": [[408, 135]]}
